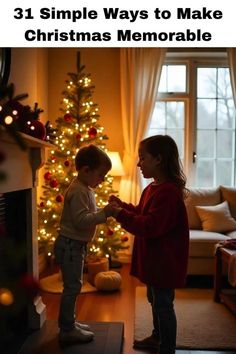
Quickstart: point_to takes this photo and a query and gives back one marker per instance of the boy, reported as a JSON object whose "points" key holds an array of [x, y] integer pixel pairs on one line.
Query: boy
{"points": [[77, 227]]}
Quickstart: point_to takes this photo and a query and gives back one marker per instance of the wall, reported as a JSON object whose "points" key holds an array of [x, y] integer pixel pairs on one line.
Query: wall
{"points": [[30, 75], [104, 66]]}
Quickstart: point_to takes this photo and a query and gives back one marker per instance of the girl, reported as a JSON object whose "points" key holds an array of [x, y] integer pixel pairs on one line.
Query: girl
{"points": [[160, 226]]}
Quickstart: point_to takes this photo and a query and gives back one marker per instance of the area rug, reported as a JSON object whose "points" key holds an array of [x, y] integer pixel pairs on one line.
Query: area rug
{"points": [[202, 323], [53, 284], [108, 339]]}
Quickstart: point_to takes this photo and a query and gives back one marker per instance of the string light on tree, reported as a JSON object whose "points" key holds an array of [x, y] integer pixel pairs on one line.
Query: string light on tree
{"points": [[76, 127]]}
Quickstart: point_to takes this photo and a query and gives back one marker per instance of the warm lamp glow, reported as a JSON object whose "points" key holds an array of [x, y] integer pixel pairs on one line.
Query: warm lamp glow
{"points": [[117, 167]]}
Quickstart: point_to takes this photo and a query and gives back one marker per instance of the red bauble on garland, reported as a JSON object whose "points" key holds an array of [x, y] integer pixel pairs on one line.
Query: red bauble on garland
{"points": [[47, 176], [30, 284], [53, 183], [67, 163], [42, 205], [92, 132], [68, 117], [59, 198], [36, 129]]}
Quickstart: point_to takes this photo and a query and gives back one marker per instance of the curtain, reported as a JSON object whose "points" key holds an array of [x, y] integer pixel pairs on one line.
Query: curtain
{"points": [[140, 73], [232, 67]]}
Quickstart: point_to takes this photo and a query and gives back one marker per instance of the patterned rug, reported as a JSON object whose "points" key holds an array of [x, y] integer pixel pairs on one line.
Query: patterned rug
{"points": [[53, 284], [202, 323]]}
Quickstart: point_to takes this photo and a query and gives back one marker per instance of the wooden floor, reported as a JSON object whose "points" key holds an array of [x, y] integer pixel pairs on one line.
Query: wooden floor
{"points": [[118, 306]]}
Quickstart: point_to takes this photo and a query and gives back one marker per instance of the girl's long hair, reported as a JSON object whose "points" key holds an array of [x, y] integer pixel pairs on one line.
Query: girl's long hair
{"points": [[165, 146]]}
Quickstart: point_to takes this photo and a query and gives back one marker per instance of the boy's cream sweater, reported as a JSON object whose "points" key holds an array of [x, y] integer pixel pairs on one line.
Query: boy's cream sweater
{"points": [[80, 214]]}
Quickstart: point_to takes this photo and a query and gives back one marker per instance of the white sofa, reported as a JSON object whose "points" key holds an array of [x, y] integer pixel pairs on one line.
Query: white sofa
{"points": [[212, 218]]}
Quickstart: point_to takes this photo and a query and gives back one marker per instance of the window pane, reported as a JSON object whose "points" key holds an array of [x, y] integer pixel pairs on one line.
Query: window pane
{"points": [[205, 143], [206, 83], [175, 114], [176, 78], [224, 143], [224, 89], [159, 116], [221, 176], [225, 113], [178, 136], [206, 114], [173, 78], [168, 118], [163, 81], [205, 174]]}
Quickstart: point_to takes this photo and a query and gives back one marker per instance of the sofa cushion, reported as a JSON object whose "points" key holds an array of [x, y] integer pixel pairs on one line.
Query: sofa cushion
{"points": [[216, 218], [200, 196], [202, 243], [229, 194], [231, 234]]}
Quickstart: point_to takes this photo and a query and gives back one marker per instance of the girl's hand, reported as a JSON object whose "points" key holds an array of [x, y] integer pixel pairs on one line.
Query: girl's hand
{"points": [[111, 210], [115, 201]]}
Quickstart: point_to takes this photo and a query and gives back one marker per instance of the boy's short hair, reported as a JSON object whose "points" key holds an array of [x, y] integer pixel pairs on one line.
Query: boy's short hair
{"points": [[93, 157]]}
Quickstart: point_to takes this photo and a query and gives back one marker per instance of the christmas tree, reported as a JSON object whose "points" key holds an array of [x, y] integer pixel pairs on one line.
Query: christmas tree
{"points": [[76, 127]]}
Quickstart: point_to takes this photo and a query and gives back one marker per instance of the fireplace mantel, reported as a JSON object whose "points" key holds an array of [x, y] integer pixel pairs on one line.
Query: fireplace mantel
{"points": [[21, 167]]}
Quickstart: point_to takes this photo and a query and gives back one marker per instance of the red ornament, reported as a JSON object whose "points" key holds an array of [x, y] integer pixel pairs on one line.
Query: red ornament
{"points": [[110, 232], [59, 198], [78, 136], [42, 205], [47, 176], [36, 129], [30, 284], [68, 117], [53, 158], [92, 132], [67, 163], [124, 238], [53, 183]]}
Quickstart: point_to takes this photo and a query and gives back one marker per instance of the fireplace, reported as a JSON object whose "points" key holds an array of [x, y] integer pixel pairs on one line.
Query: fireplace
{"points": [[18, 215]]}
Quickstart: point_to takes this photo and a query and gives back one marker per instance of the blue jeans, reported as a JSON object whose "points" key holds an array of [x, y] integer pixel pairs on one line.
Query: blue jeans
{"points": [[69, 254], [164, 319]]}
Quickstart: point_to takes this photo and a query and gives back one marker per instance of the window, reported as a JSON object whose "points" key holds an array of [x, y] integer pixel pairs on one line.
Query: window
{"points": [[195, 106]]}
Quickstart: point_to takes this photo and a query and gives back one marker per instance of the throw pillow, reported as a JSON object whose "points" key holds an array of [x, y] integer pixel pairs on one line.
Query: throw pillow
{"points": [[200, 196], [229, 194], [216, 218]]}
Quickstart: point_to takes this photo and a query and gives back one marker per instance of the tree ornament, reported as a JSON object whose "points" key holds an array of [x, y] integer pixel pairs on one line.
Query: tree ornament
{"points": [[124, 238], [53, 183], [78, 136], [67, 163], [92, 132], [110, 232], [59, 198], [42, 205], [67, 117], [47, 176]]}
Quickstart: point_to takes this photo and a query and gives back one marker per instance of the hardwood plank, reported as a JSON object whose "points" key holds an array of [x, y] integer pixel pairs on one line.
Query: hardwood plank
{"points": [[110, 307]]}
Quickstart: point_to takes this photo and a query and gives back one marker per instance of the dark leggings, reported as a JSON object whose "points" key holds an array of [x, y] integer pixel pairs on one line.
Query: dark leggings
{"points": [[164, 319]]}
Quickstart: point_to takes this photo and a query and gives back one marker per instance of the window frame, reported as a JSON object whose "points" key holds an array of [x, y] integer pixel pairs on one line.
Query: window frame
{"points": [[189, 98]]}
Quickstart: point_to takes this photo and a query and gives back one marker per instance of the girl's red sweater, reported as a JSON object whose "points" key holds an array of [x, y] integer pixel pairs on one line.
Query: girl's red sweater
{"points": [[161, 243]]}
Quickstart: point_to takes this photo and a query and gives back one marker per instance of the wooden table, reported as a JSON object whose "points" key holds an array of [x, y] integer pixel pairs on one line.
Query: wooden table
{"points": [[227, 297]]}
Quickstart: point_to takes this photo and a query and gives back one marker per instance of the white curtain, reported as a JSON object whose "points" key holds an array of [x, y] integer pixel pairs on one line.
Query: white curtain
{"points": [[140, 73], [232, 66]]}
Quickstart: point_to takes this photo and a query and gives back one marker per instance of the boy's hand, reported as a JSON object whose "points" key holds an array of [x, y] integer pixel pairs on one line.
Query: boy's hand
{"points": [[115, 201], [111, 210]]}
